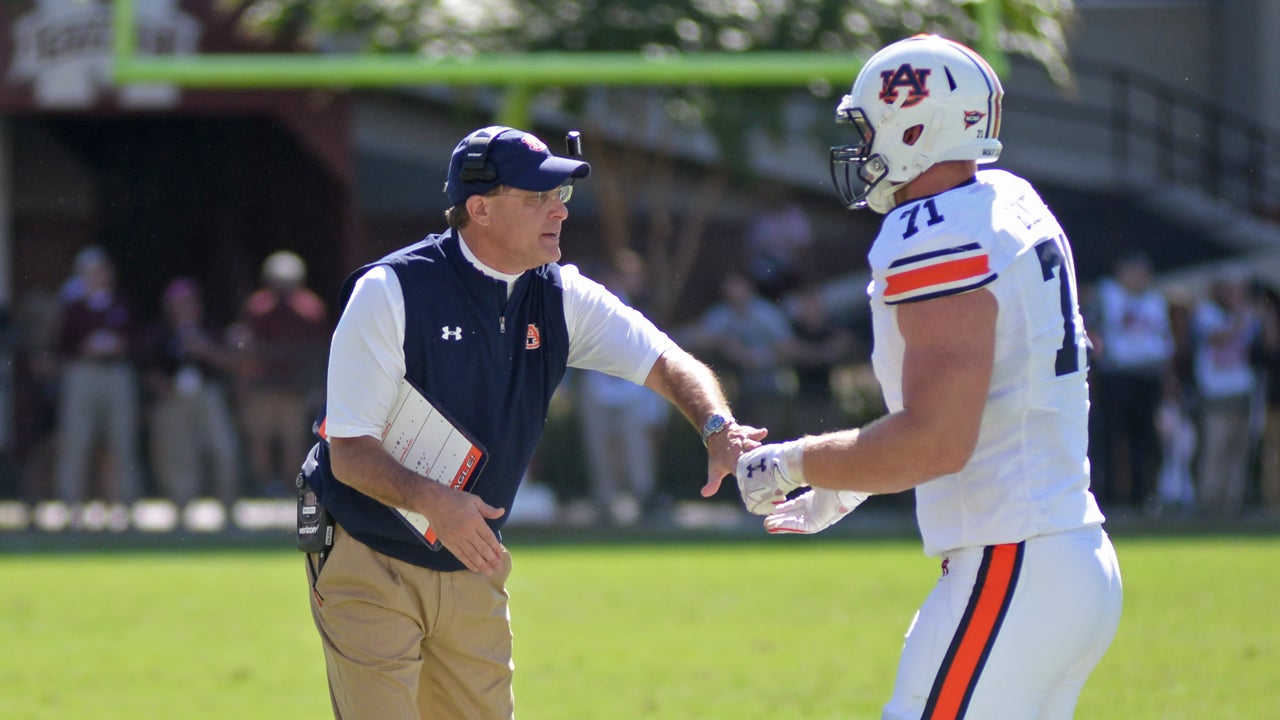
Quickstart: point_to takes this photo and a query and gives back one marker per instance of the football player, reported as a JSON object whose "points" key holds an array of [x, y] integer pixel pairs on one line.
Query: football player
{"points": [[981, 353]]}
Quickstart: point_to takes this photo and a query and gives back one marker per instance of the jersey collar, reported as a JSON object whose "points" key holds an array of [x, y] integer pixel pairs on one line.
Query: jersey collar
{"points": [[507, 278], [969, 181]]}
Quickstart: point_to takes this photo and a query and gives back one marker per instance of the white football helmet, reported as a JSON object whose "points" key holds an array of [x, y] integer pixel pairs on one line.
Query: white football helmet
{"points": [[917, 102]]}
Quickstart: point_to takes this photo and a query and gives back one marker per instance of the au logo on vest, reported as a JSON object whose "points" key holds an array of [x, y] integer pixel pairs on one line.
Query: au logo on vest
{"points": [[533, 339]]}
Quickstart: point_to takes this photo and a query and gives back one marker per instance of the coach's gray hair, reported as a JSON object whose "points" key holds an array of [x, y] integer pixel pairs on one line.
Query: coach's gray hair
{"points": [[457, 217]]}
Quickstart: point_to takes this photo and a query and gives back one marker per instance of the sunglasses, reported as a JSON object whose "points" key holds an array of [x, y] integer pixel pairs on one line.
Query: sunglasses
{"points": [[564, 192]]}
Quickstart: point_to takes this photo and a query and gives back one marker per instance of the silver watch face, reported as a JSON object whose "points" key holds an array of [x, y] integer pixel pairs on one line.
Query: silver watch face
{"points": [[714, 424]]}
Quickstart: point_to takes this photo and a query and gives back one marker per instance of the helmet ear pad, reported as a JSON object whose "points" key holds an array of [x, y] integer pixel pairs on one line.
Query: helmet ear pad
{"points": [[911, 135], [907, 153], [913, 155], [920, 146]]}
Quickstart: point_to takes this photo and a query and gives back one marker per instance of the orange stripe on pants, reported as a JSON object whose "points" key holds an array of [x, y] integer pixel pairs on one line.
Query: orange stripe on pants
{"points": [[992, 592]]}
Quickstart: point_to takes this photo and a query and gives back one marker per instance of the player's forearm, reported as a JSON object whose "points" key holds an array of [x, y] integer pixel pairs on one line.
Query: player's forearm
{"points": [[892, 454], [363, 464]]}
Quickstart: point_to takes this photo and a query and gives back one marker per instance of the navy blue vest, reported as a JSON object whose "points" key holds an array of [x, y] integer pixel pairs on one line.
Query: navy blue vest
{"points": [[490, 362]]}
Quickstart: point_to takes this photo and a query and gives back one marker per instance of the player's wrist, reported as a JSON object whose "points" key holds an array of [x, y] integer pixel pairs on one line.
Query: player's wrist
{"points": [[793, 456]]}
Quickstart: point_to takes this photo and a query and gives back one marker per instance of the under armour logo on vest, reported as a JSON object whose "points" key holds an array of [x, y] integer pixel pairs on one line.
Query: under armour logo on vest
{"points": [[533, 340], [751, 469], [447, 333]]}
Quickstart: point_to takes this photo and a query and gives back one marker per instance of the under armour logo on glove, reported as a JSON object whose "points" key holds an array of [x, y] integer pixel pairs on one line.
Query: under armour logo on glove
{"points": [[768, 473], [451, 334]]}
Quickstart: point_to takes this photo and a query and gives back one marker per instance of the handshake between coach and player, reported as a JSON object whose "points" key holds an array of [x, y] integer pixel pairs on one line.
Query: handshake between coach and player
{"points": [[771, 480]]}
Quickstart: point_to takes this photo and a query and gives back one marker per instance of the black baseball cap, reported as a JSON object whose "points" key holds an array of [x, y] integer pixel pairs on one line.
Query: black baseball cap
{"points": [[510, 157]]}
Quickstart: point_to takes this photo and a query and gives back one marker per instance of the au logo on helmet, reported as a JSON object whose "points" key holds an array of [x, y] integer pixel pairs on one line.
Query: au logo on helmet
{"points": [[904, 77]]}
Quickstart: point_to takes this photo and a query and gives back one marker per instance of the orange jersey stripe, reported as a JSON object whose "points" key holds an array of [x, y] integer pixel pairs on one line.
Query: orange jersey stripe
{"points": [[976, 634], [944, 272]]}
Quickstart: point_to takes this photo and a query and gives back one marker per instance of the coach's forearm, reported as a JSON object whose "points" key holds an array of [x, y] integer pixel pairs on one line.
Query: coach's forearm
{"points": [[688, 384], [362, 463]]}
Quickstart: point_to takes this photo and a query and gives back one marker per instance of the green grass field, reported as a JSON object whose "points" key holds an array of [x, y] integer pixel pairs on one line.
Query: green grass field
{"points": [[776, 628]]}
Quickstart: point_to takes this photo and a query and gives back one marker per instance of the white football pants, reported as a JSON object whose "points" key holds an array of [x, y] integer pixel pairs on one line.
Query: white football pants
{"points": [[1011, 632]]}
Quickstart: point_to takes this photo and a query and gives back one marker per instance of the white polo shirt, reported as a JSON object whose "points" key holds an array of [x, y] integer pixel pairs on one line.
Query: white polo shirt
{"points": [[604, 335]]}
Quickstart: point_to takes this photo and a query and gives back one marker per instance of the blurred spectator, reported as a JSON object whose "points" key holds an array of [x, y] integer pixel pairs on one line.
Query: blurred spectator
{"points": [[751, 335], [1176, 416], [99, 389], [622, 424], [1133, 348], [777, 241], [192, 429], [820, 345], [1182, 302], [8, 367], [1175, 488], [283, 332], [36, 390], [1225, 328], [1267, 359]]}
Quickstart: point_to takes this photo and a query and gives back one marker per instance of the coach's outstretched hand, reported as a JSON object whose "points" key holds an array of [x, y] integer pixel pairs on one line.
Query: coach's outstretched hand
{"points": [[723, 451]]}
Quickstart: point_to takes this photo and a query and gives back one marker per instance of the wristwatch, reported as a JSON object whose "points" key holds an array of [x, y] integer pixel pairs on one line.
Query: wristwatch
{"points": [[714, 424]]}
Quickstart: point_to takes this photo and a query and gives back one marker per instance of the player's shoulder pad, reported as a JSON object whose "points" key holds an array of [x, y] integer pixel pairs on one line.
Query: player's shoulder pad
{"points": [[925, 250]]}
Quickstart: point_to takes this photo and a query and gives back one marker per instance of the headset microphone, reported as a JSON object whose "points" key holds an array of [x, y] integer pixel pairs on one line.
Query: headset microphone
{"points": [[573, 143]]}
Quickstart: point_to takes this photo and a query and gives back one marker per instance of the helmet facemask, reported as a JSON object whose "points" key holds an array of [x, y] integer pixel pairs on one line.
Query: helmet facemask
{"points": [[860, 175], [854, 170]]}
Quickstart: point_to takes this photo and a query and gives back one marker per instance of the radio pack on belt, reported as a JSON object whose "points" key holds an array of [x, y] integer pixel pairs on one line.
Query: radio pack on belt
{"points": [[315, 524]]}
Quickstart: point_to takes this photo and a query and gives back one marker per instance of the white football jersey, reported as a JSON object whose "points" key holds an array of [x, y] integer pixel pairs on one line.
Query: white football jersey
{"points": [[1029, 474]]}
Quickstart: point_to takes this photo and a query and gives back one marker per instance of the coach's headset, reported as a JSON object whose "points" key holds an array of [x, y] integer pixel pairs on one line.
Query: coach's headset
{"points": [[476, 166]]}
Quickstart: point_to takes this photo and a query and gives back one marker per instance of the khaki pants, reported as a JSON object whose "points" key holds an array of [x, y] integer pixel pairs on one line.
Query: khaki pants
{"points": [[403, 642]]}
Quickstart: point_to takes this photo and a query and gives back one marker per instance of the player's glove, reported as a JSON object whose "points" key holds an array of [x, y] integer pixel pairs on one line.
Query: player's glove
{"points": [[814, 511], [768, 473]]}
